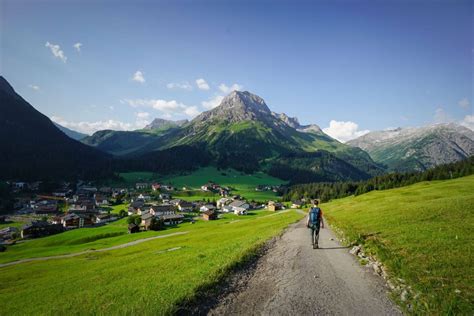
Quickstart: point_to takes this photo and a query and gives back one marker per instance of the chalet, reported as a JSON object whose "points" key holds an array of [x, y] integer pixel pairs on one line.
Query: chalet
{"points": [[297, 204], [274, 206], [136, 204], [142, 211], [101, 200], [133, 228], [209, 215], [141, 185], [240, 206], [155, 186], [40, 229], [175, 202], [168, 187], [240, 211], [70, 220], [227, 209], [207, 207], [105, 218], [185, 206], [223, 201], [163, 209], [146, 220], [172, 219], [8, 233]]}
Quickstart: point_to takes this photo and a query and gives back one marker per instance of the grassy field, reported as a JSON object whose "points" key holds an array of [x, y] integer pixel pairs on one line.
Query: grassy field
{"points": [[424, 234], [148, 279], [243, 184]]}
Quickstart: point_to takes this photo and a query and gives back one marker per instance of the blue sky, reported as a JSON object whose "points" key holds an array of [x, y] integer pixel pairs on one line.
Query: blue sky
{"points": [[363, 65]]}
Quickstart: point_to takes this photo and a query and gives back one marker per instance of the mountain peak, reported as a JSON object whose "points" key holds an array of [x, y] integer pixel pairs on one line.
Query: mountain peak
{"points": [[159, 123], [245, 99]]}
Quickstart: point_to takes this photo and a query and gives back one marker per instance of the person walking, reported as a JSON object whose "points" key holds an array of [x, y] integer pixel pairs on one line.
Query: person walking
{"points": [[315, 222]]}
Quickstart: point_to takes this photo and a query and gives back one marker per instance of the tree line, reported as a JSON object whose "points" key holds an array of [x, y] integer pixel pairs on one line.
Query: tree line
{"points": [[326, 191]]}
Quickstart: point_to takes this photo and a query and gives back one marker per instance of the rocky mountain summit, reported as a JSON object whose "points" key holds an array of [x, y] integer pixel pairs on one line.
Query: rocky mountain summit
{"points": [[159, 123], [418, 148]]}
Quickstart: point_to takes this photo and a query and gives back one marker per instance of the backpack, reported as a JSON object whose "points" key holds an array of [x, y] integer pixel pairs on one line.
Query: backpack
{"points": [[314, 216]]}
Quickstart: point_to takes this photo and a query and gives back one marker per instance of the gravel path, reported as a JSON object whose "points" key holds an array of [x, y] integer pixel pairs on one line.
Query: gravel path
{"points": [[132, 243], [291, 278]]}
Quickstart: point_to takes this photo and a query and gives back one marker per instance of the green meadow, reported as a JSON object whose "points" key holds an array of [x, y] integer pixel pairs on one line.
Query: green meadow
{"points": [[423, 233], [154, 277]]}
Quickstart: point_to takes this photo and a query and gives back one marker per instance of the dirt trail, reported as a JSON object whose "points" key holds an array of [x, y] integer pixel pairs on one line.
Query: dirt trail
{"points": [[294, 279], [132, 243]]}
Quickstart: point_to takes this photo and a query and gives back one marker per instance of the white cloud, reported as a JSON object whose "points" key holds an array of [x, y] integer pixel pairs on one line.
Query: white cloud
{"points": [[202, 84], [56, 51], [225, 89], [212, 102], [138, 77], [184, 86], [468, 122], [34, 87], [77, 46], [143, 115], [344, 131], [464, 103], [167, 108], [92, 127]]}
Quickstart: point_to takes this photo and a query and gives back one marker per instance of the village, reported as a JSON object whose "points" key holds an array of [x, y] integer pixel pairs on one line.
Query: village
{"points": [[147, 206]]}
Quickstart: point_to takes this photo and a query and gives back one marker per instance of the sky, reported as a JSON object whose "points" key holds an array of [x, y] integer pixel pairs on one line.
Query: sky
{"points": [[348, 66]]}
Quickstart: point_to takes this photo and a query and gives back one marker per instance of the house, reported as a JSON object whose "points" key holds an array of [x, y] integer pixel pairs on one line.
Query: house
{"points": [[297, 204], [133, 228], [240, 211], [146, 220], [227, 209], [175, 202], [209, 215], [100, 200], [274, 206], [40, 229], [163, 209], [136, 204], [141, 185], [104, 218], [8, 233], [172, 219], [185, 206], [70, 220], [239, 205], [144, 197], [155, 186], [223, 201], [207, 207], [142, 211]]}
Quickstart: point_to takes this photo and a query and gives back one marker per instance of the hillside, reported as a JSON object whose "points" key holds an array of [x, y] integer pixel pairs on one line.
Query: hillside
{"points": [[32, 147], [418, 149], [162, 273], [422, 233]]}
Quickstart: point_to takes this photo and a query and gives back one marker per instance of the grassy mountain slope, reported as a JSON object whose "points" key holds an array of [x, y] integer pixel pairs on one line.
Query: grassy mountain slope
{"points": [[423, 234]]}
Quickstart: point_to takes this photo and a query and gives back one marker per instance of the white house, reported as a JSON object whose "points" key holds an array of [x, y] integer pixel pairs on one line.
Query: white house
{"points": [[207, 207], [240, 211], [239, 205], [223, 201]]}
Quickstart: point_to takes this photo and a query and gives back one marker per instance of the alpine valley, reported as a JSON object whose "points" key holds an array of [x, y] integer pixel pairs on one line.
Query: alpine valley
{"points": [[241, 133]]}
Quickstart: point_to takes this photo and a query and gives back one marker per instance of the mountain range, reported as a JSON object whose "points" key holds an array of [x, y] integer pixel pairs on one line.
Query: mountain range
{"points": [[418, 148], [241, 133]]}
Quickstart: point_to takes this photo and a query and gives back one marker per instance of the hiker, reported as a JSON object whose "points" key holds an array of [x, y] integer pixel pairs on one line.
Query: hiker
{"points": [[314, 222]]}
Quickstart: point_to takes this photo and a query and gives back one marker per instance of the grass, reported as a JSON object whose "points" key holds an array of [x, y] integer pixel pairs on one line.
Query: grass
{"points": [[423, 234], [143, 279], [12, 224], [243, 184]]}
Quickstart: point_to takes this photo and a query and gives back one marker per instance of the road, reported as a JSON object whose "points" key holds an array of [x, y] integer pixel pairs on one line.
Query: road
{"points": [[291, 278], [75, 254]]}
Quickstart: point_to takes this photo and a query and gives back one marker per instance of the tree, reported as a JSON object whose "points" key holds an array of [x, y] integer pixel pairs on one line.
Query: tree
{"points": [[134, 219], [123, 213]]}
